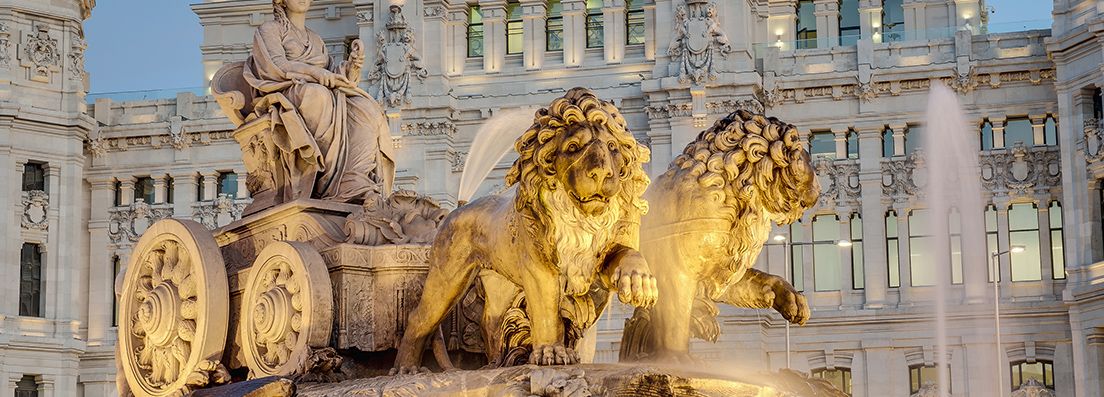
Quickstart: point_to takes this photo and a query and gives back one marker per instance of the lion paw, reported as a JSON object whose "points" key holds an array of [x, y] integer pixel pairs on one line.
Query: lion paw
{"points": [[555, 354], [634, 282], [412, 370], [790, 303]]}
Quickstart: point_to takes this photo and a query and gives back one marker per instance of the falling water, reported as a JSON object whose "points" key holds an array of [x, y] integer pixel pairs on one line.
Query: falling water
{"points": [[493, 140], [950, 154]]}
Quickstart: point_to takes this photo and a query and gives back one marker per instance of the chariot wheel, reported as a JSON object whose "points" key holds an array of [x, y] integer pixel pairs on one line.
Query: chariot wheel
{"points": [[287, 309], [173, 313]]}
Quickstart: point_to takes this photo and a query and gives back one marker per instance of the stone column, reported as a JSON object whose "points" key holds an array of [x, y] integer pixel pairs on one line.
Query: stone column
{"points": [[210, 185], [662, 152], [158, 189], [915, 20], [100, 279], [1038, 128], [574, 33], [456, 40], [534, 14], [649, 30], [13, 382], [11, 170], [839, 135], [898, 129], [494, 34], [870, 19], [781, 22], [126, 188], [243, 188], [185, 187], [875, 270], [827, 23], [614, 30], [998, 131], [56, 290]]}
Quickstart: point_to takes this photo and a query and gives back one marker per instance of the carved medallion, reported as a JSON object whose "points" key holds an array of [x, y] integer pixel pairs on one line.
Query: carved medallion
{"points": [[39, 53], [397, 61], [36, 203], [698, 37]]}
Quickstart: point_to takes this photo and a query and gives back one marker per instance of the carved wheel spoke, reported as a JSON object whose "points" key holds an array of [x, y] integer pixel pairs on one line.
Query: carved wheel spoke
{"points": [[172, 332], [287, 309]]}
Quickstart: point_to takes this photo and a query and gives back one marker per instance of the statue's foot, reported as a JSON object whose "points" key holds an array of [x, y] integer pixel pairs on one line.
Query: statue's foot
{"points": [[409, 370], [555, 354], [789, 302]]}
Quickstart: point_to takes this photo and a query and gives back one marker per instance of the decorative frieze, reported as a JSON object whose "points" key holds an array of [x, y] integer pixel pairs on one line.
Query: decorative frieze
{"points": [[1021, 171], [716, 107], [428, 128], [76, 56], [5, 45], [126, 224], [870, 91], [36, 206]]}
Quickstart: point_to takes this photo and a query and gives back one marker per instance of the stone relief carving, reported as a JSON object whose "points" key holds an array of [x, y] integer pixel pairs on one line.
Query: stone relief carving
{"points": [[843, 182], [867, 92], [770, 98], [1033, 388], [365, 16], [126, 224], [456, 160], [177, 137], [1094, 141], [898, 179], [397, 61], [429, 129], [698, 38], [963, 83], [5, 45], [218, 212], [1020, 170], [716, 107], [36, 205], [40, 54], [433, 11], [403, 218], [76, 56]]}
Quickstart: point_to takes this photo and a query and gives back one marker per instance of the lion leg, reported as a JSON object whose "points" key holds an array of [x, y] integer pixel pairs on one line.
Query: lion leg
{"points": [[759, 290], [499, 294], [546, 329], [449, 274]]}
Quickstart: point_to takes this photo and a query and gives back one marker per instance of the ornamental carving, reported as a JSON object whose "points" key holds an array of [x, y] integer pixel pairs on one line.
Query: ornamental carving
{"points": [[5, 45], [218, 212], [365, 16], [698, 38], [76, 56], [36, 204], [403, 218], [1094, 141], [126, 224], [428, 129], [899, 179], [963, 83], [842, 187], [40, 54], [867, 92], [397, 61], [1020, 171], [1033, 388], [456, 160]]}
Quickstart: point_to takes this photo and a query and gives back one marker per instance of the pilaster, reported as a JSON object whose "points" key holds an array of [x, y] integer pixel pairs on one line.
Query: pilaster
{"points": [[456, 40], [875, 270], [534, 15], [243, 187], [898, 129], [574, 34], [185, 187], [997, 123], [1038, 128], [827, 23], [870, 19], [615, 30], [210, 185], [494, 34]]}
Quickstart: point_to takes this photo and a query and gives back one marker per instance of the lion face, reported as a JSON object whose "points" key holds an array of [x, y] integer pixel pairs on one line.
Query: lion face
{"points": [[590, 166]]}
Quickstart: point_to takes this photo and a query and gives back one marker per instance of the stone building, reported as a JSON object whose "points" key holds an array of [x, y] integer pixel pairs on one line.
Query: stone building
{"points": [[460, 80]]}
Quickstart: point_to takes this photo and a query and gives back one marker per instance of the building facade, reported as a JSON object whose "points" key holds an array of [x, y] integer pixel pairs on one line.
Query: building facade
{"points": [[460, 80]]}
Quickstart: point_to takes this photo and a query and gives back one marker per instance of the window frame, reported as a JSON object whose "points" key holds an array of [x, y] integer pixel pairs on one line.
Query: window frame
{"points": [[805, 38], [141, 193], [553, 22], [634, 16], [595, 25], [515, 27], [475, 32], [34, 176], [222, 178], [34, 299], [845, 377], [1018, 365]]}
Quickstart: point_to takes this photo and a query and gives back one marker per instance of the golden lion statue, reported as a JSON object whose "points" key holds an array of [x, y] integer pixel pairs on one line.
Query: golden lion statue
{"points": [[711, 214], [571, 226]]}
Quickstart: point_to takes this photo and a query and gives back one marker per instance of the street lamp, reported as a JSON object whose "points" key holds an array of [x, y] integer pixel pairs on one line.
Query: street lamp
{"points": [[786, 244], [995, 271]]}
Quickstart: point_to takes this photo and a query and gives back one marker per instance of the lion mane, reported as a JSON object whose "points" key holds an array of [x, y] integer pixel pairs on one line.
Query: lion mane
{"points": [[539, 196]]}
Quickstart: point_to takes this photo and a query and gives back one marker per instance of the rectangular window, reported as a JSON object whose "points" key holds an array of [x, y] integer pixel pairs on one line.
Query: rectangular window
{"points": [[852, 144], [991, 242], [170, 190], [1057, 256], [806, 25], [921, 248], [199, 188], [634, 22], [892, 249], [858, 277], [30, 280], [849, 30], [1041, 371], [475, 32], [797, 257], [116, 266], [595, 26], [553, 26], [143, 189], [27, 386], [920, 375], [228, 184], [1018, 131], [893, 20], [822, 144], [1023, 230], [986, 135], [826, 257], [1098, 104], [34, 177], [515, 28], [117, 191], [887, 142], [914, 139], [839, 377]]}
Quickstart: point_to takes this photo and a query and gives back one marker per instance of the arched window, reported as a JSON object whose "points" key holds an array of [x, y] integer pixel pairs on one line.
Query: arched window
{"points": [[1050, 131], [595, 25], [986, 135], [914, 139], [1041, 371], [806, 25], [892, 249], [1057, 255], [887, 142], [27, 386], [893, 21], [852, 144], [634, 22], [475, 32], [117, 191], [553, 26], [170, 189], [515, 28], [838, 377], [858, 279], [849, 29], [30, 280], [1023, 230], [826, 257]]}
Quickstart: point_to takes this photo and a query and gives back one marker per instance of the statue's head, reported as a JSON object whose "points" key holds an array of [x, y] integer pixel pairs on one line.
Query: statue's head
{"points": [[281, 8], [580, 151]]}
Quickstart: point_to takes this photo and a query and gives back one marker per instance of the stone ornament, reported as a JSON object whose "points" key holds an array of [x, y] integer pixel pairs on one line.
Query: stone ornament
{"points": [[1033, 388], [76, 56], [698, 37], [287, 310], [218, 212], [5, 45], [1020, 171], [404, 218], [40, 54], [843, 182], [1094, 141], [173, 316], [900, 176], [396, 61], [712, 213], [126, 224], [570, 227], [36, 205]]}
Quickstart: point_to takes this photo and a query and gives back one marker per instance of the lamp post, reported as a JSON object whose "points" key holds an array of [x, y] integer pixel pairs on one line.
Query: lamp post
{"points": [[995, 271], [786, 244]]}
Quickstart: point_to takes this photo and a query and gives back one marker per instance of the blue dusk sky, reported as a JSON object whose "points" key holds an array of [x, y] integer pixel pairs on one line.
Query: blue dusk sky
{"points": [[154, 44]]}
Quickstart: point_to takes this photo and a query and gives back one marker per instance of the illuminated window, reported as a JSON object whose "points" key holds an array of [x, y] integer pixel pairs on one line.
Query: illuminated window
{"points": [[806, 25], [858, 278], [920, 375], [822, 144], [839, 377], [595, 28], [1057, 255], [30, 280], [1018, 131], [143, 189], [797, 256], [515, 28], [228, 184], [892, 249], [553, 26], [986, 135], [634, 17], [826, 257], [991, 241], [1041, 371], [849, 30], [34, 176], [1023, 230], [27, 386], [893, 20], [475, 32]]}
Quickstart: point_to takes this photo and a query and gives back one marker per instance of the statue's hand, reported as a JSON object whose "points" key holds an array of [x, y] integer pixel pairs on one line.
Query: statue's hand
{"points": [[356, 53], [634, 281], [332, 80]]}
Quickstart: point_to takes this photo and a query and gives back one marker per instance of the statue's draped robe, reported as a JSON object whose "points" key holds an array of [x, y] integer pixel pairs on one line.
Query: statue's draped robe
{"points": [[334, 143]]}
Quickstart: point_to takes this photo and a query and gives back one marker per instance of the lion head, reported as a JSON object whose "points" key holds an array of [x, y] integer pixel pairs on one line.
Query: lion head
{"points": [[579, 173]]}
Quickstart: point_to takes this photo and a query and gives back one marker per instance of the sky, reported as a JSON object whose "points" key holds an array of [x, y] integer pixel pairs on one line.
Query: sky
{"points": [[137, 45]]}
